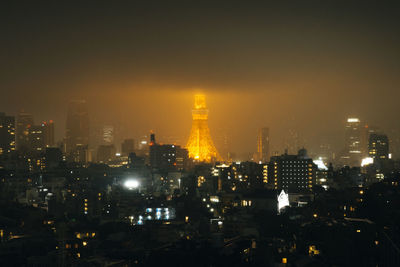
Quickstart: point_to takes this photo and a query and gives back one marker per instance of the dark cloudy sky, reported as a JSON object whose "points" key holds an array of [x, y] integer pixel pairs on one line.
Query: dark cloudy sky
{"points": [[302, 66]]}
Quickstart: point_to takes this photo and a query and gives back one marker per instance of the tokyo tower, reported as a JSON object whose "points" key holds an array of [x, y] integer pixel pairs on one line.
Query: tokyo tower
{"points": [[200, 144]]}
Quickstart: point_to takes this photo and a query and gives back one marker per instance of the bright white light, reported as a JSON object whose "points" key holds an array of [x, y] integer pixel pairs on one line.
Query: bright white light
{"points": [[118, 154], [353, 120], [214, 199], [283, 200], [223, 165], [366, 161], [320, 164], [131, 184]]}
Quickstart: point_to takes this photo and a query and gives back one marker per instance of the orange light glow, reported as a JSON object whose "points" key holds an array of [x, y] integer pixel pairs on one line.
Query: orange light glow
{"points": [[200, 144]]}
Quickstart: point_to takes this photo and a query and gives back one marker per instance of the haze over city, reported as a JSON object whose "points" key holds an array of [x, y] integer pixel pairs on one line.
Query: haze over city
{"points": [[200, 133], [303, 67]]}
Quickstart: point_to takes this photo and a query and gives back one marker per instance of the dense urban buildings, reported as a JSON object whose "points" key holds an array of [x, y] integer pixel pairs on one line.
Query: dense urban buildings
{"points": [[160, 191], [298, 166]]}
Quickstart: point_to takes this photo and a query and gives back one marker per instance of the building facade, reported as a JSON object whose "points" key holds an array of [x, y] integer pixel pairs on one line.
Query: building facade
{"points": [[292, 173]]}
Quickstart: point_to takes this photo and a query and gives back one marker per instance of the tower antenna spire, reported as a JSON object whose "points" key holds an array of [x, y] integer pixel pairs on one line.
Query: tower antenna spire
{"points": [[200, 144]]}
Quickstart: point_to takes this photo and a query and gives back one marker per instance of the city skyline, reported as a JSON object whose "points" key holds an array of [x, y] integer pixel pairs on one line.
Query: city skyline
{"points": [[200, 133], [291, 142], [252, 62]]}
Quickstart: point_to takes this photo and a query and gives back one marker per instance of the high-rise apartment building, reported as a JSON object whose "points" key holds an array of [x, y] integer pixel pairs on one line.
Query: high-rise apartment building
{"points": [[292, 173], [378, 147], [7, 133], [263, 144]]}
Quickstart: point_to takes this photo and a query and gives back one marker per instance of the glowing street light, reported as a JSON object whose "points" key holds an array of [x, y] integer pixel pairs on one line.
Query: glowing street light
{"points": [[131, 184]]}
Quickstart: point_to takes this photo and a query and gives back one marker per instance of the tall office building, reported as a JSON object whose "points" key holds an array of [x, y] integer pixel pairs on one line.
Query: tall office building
{"points": [[378, 147], [354, 141], [7, 133], [77, 130], [263, 144], [108, 134], [24, 121]]}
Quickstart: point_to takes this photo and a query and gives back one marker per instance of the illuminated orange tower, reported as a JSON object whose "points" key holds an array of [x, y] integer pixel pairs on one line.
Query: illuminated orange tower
{"points": [[200, 144]]}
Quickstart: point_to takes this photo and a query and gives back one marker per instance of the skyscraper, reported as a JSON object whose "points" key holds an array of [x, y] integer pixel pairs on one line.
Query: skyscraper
{"points": [[108, 134], [200, 144], [7, 133], [24, 121], [263, 144], [354, 147], [77, 130]]}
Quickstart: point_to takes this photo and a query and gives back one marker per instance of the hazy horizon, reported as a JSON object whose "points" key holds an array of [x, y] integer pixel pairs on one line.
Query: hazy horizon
{"points": [[295, 67]]}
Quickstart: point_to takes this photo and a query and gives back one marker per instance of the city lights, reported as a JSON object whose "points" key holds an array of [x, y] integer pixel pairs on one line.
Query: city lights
{"points": [[131, 184], [227, 134], [366, 161], [353, 120]]}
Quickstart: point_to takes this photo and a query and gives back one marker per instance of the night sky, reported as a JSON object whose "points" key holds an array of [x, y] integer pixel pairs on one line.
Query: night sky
{"points": [[301, 66]]}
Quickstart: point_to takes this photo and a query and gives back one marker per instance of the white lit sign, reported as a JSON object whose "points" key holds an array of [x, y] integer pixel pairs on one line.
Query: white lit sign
{"points": [[320, 164], [353, 120], [366, 161], [283, 200]]}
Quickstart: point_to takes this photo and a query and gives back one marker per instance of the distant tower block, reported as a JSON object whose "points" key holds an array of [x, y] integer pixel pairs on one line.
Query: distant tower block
{"points": [[200, 144]]}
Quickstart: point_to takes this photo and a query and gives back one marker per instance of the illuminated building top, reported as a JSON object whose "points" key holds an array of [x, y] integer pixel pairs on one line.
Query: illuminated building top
{"points": [[200, 144]]}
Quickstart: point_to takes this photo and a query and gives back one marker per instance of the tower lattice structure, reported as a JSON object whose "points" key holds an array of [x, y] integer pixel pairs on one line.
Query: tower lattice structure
{"points": [[200, 144]]}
